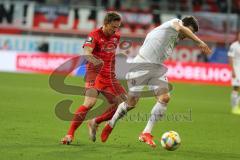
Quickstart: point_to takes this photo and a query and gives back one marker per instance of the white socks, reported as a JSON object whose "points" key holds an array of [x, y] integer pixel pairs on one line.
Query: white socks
{"points": [[121, 111], [157, 112], [234, 99]]}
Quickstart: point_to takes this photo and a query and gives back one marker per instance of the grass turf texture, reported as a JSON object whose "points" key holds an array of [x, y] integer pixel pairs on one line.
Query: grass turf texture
{"points": [[31, 130]]}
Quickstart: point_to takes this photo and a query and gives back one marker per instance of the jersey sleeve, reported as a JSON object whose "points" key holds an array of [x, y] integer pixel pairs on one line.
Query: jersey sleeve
{"points": [[231, 52], [90, 41], [176, 21]]}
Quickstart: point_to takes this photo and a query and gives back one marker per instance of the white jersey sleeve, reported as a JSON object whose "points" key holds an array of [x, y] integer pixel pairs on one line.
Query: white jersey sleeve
{"points": [[160, 42], [234, 52], [231, 51]]}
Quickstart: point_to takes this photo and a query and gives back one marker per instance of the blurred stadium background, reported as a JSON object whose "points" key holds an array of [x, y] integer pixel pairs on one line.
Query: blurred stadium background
{"points": [[57, 27], [37, 36]]}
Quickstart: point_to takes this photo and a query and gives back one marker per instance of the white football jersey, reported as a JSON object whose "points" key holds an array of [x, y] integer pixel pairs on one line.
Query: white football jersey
{"points": [[160, 42], [234, 52]]}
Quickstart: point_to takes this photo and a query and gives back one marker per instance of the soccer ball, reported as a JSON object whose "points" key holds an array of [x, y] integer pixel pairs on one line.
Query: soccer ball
{"points": [[170, 140]]}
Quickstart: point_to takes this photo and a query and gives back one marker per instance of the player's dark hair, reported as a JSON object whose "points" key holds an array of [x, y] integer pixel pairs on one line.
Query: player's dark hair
{"points": [[111, 16], [190, 21]]}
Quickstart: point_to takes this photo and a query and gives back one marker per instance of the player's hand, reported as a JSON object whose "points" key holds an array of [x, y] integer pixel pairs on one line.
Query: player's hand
{"points": [[204, 47]]}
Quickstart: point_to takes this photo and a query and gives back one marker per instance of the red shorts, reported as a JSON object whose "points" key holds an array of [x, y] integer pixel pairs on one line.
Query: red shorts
{"points": [[110, 89]]}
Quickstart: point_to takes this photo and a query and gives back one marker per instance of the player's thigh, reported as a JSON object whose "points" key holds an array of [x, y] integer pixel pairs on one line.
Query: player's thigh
{"points": [[161, 88], [115, 99], [159, 85], [90, 98]]}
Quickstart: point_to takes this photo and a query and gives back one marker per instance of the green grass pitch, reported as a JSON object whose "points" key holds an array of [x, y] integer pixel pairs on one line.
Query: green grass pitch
{"points": [[31, 130]]}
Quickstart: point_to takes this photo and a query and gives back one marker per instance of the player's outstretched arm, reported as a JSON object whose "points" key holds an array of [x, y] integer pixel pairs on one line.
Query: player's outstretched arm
{"points": [[89, 56], [189, 34]]}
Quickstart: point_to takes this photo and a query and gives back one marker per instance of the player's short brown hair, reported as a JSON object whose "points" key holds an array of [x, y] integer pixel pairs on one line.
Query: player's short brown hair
{"points": [[111, 16], [191, 21]]}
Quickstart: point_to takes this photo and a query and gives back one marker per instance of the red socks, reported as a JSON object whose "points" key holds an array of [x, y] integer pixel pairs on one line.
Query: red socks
{"points": [[81, 113], [107, 115], [79, 117]]}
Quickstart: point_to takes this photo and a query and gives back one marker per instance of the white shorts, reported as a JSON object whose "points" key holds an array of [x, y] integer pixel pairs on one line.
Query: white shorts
{"points": [[235, 82], [138, 86], [147, 77]]}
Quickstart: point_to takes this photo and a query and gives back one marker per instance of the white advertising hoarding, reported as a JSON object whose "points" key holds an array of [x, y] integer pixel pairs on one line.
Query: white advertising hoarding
{"points": [[206, 73], [31, 43], [7, 61]]}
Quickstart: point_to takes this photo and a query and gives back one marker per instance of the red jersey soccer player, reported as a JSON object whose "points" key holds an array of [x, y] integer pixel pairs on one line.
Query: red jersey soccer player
{"points": [[99, 51]]}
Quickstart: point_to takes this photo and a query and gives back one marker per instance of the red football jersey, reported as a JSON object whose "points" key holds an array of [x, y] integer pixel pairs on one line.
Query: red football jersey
{"points": [[104, 47]]}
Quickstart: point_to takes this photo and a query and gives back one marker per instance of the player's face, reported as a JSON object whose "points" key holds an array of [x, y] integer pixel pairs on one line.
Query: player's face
{"points": [[182, 36], [112, 27]]}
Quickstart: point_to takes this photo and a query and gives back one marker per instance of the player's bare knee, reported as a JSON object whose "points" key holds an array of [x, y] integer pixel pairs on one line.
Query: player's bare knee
{"points": [[132, 101], [165, 98], [89, 102], [90, 98]]}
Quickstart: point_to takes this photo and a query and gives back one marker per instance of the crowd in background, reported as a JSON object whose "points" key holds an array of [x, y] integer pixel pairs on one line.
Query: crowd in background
{"points": [[146, 5]]}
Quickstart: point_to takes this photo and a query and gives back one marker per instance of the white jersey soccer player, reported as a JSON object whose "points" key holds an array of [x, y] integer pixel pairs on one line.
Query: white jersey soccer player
{"points": [[234, 61], [159, 43], [157, 47]]}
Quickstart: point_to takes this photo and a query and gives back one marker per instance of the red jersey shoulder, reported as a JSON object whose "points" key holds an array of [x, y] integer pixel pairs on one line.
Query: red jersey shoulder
{"points": [[95, 33], [92, 38]]}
